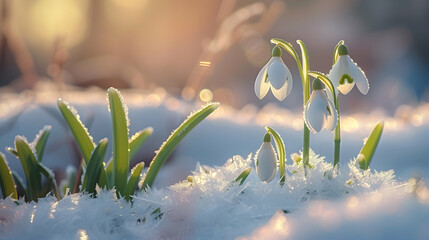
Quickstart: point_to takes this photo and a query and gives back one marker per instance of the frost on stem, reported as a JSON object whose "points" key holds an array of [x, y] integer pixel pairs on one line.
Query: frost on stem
{"points": [[73, 110], [37, 138], [114, 91]]}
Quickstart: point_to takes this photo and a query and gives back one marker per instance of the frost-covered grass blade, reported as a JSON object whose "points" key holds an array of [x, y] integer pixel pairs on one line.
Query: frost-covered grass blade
{"points": [[368, 149], [7, 185], [133, 181], [39, 142], [69, 181], [21, 188], [138, 139], [121, 160], [30, 166], [51, 184], [80, 133], [95, 166], [281, 153], [168, 146], [242, 177]]}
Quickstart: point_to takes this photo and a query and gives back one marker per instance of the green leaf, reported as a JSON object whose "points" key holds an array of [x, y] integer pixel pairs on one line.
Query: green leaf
{"points": [[242, 177], [133, 181], [168, 146], [121, 159], [30, 166], [325, 79], [12, 151], [50, 177], [368, 149], [80, 132], [7, 185], [110, 174], [20, 185], [336, 51], [40, 142], [70, 179], [137, 140], [95, 164], [280, 146]]}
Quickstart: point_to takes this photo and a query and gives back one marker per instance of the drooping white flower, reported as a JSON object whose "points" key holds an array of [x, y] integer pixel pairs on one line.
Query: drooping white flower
{"points": [[266, 160], [319, 111], [275, 76], [345, 73]]}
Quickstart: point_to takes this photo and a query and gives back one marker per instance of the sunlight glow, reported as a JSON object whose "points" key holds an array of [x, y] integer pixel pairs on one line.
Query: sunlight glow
{"points": [[50, 19], [206, 95], [82, 235], [205, 63], [349, 124], [352, 202]]}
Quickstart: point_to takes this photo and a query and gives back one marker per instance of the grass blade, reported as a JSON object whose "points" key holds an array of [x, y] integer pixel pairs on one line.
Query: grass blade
{"points": [[30, 166], [7, 185], [95, 164], [20, 185], [137, 140], [39, 142], [168, 146], [50, 177], [69, 181], [369, 147], [133, 181], [280, 146], [242, 177], [12, 151], [80, 132], [109, 174], [121, 160]]}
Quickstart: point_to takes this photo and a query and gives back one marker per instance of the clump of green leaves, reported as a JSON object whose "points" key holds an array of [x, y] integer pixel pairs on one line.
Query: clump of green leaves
{"points": [[31, 155], [116, 172]]}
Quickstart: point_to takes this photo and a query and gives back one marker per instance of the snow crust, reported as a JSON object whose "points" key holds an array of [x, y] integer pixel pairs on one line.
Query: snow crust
{"points": [[324, 204]]}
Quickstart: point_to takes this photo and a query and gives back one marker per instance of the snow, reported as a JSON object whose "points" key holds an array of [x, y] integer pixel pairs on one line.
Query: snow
{"points": [[212, 206], [324, 204]]}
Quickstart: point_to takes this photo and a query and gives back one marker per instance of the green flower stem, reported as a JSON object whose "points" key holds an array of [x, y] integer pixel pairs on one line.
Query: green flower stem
{"points": [[303, 71], [337, 137]]}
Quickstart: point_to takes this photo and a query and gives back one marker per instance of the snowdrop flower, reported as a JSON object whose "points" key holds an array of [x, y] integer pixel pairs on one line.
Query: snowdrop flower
{"points": [[275, 76], [266, 160], [319, 111], [345, 73]]}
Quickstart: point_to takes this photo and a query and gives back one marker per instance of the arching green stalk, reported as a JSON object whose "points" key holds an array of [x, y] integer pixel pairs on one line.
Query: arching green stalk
{"points": [[303, 67]]}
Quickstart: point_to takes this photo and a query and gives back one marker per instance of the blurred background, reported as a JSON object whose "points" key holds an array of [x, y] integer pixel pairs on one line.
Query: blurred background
{"points": [[173, 55], [213, 50]]}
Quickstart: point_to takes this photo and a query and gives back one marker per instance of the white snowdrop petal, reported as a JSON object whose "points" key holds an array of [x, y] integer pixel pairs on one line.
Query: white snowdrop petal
{"points": [[334, 74], [315, 110], [358, 77], [277, 73], [332, 117], [346, 87], [283, 92], [266, 162], [261, 85]]}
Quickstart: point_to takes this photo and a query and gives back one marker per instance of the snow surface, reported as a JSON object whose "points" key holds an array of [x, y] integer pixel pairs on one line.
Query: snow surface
{"points": [[353, 204], [350, 204]]}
